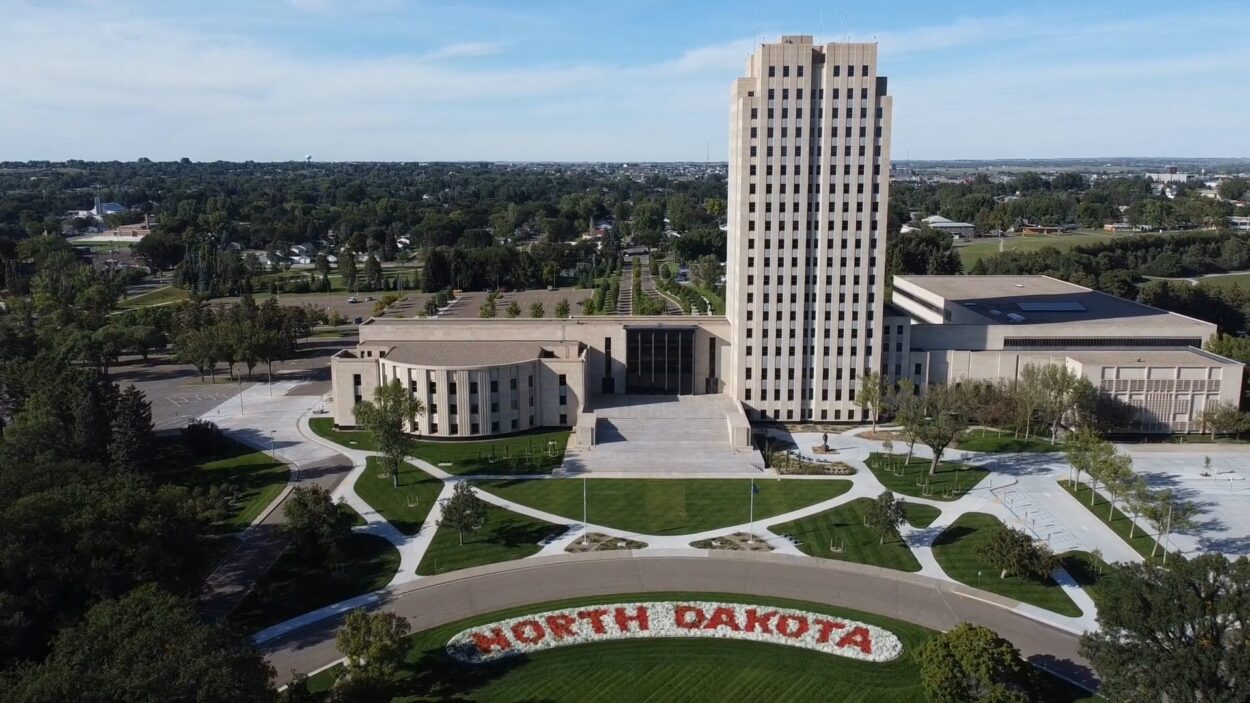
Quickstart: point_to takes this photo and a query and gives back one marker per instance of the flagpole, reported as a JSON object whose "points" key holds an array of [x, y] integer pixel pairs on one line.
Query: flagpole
{"points": [[585, 525], [751, 539]]}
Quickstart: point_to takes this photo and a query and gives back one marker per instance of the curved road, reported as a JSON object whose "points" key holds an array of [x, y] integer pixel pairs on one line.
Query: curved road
{"points": [[923, 600]]}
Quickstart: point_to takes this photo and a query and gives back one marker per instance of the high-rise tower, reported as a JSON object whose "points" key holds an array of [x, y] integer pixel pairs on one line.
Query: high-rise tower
{"points": [[809, 167]]}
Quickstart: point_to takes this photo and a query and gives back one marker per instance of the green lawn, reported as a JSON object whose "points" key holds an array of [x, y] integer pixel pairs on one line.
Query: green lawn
{"points": [[519, 454], [951, 481], [1236, 279], [669, 670], [970, 253], [160, 296], [955, 551], [919, 514], [253, 478], [666, 506], [842, 528], [506, 536], [404, 507], [1003, 442], [1142, 542], [1088, 571], [294, 586]]}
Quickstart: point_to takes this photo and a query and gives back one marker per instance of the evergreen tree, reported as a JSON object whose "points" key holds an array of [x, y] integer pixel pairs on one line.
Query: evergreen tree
{"points": [[133, 442]]}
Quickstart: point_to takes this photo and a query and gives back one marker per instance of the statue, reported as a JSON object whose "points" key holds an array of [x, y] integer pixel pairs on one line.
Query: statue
{"points": [[824, 441]]}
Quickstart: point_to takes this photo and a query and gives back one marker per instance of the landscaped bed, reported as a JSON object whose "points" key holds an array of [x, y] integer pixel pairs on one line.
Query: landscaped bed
{"points": [[956, 552], [736, 542], [951, 481], [599, 542], [1142, 541], [840, 534], [666, 506], [505, 536], [667, 669]]}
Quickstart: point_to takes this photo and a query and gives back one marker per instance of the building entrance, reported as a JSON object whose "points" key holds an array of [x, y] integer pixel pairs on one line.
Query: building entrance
{"points": [[659, 360]]}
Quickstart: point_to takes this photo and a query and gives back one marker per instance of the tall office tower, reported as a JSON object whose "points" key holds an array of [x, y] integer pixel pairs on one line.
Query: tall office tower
{"points": [[809, 167]]}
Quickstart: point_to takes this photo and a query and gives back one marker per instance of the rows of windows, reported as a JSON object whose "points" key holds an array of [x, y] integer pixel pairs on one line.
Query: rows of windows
{"points": [[837, 70]]}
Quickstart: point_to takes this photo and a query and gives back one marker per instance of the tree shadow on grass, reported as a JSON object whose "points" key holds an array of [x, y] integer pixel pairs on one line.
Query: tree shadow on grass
{"points": [[436, 676], [953, 534]]}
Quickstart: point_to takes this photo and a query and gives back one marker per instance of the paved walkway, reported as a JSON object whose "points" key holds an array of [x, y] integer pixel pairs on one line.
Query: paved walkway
{"points": [[1022, 491], [263, 420]]}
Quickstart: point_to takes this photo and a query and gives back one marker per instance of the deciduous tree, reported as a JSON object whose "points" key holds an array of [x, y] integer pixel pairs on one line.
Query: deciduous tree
{"points": [[972, 663], [1175, 633], [385, 418], [463, 511]]}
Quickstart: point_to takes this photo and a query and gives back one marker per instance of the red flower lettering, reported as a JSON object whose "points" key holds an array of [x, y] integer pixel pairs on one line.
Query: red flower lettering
{"points": [[689, 617], [722, 617], [595, 617], [826, 629], [528, 631], [561, 626], [756, 620], [792, 626], [858, 637], [640, 617], [495, 640]]}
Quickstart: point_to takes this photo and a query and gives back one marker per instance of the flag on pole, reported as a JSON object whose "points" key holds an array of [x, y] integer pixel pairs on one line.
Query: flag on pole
{"points": [[754, 488]]}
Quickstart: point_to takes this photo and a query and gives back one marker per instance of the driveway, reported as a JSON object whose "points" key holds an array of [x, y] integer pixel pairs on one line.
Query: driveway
{"points": [[923, 600]]}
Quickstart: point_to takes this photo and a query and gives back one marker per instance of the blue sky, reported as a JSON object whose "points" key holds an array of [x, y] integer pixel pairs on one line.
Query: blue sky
{"points": [[588, 81]]}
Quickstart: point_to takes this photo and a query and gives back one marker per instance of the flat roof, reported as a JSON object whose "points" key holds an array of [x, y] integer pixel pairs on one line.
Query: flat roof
{"points": [[1174, 357], [1024, 300], [457, 353]]}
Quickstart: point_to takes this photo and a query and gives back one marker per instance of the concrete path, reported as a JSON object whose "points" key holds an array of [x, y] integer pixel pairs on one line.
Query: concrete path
{"points": [[264, 421], [916, 598]]}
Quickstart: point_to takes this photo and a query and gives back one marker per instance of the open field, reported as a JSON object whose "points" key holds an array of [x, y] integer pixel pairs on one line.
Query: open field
{"points": [[160, 296], [956, 552], [980, 248], [840, 534], [668, 669], [666, 506], [950, 482]]}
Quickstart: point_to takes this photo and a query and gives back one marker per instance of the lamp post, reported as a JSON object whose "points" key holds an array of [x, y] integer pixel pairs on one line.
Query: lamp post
{"points": [[272, 454]]}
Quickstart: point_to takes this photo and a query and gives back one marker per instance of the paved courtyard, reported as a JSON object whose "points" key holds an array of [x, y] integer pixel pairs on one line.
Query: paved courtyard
{"points": [[662, 435]]}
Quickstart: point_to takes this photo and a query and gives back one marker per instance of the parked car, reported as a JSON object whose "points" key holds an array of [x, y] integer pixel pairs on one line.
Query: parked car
{"points": [[369, 298], [353, 299]]}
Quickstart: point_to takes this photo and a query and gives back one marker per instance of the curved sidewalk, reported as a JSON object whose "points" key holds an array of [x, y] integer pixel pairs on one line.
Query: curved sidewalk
{"points": [[915, 598]]}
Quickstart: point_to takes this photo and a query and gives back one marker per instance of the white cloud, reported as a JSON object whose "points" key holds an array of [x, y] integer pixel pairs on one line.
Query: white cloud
{"points": [[465, 50]]}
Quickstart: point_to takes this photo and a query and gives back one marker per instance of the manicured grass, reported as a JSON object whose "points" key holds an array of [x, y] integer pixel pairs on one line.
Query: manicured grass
{"points": [[842, 529], [160, 296], [1003, 442], [295, 586], [252, 478], [506, 536], [1142, 542], [1088, 571], [666, 506], [664, 669], [970, 253], [352, 439], [919, 514], [518, 454], [951, 478], [405, 507], [956, 552], [1235, 279]]}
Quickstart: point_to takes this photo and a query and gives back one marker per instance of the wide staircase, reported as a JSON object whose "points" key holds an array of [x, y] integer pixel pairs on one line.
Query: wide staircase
{"points": [[657, 434]]}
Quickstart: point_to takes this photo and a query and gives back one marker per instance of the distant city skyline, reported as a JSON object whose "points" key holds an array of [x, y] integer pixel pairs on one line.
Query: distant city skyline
{"points": [[391, 80]]}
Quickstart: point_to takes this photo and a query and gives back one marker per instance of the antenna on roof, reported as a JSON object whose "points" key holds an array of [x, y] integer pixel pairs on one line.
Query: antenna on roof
{"points": [[846, 20]]}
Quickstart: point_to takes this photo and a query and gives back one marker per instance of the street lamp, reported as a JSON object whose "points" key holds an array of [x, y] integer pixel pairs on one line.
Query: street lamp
{"points": [[272, 454]]}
